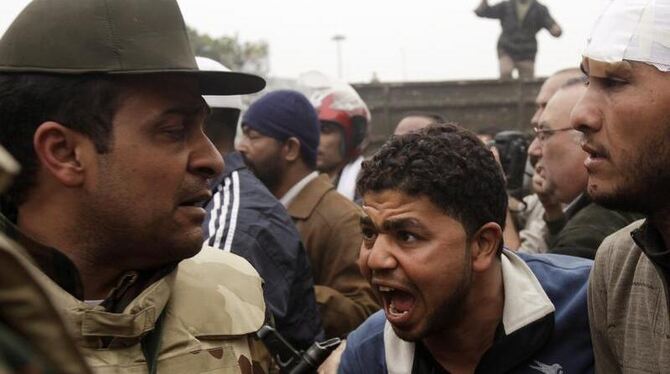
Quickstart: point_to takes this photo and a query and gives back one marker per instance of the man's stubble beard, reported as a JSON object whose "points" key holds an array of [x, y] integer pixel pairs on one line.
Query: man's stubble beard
{"points": [[269, 172], [645, 185], [452, 312]]}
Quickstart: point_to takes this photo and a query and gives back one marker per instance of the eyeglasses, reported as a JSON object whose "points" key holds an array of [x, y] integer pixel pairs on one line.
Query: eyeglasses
{"points": [[543, 134]]}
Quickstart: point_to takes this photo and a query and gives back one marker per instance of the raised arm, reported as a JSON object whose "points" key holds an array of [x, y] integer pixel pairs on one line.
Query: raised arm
{"points": [[487, 11]]}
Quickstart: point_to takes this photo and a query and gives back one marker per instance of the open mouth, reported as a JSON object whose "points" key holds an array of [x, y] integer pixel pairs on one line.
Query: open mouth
{"points": [[594, 152], [398, 304]]}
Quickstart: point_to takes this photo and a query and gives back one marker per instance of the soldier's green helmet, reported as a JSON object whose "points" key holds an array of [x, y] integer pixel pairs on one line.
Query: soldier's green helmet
{"points": [[110, 37]]}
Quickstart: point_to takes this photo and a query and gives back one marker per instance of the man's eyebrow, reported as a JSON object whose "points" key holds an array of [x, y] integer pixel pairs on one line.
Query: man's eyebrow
{"points": [[401, 224], [366, 221]]}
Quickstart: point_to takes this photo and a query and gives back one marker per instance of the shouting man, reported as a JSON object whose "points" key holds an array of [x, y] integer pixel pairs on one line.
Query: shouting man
{"points": [[454, 300]]}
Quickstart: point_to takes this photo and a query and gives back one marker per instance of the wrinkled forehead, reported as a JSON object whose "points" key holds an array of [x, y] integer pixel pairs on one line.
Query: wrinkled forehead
{"points": [[633, 30]]}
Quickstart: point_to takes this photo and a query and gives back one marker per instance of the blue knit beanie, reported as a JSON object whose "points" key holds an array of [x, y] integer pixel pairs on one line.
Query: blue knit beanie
{"points": [[283, 114]]}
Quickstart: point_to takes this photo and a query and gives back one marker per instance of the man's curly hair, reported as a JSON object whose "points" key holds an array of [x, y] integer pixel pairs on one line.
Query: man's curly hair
{"points": [[447, 164]]}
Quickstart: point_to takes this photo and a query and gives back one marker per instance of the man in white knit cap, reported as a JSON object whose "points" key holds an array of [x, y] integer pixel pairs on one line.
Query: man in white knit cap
{"points": [[625, 122]]}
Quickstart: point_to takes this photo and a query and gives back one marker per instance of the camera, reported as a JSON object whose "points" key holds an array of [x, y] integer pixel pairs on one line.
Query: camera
{"points": [[512, 147]]}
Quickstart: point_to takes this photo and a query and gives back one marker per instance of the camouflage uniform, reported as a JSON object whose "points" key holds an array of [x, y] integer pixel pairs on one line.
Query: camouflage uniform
{"points": [[29, 323], [194, 338]]}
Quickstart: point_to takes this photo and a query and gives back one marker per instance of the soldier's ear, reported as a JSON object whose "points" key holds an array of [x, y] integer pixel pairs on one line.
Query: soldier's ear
{"points": [[60, 151], [484, 246], [291, 149]]}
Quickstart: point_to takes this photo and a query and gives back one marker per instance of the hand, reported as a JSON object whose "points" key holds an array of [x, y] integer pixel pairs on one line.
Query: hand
{"points": [[555, 30], [332, 363]]}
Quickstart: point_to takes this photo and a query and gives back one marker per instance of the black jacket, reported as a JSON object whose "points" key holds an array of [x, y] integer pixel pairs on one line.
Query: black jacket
{"points": [[584, 228], [245, 218], [518, 38]]}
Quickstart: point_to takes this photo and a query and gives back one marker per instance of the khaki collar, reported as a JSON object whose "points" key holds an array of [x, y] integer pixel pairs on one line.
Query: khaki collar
{"points": [[102, 328], [306, 201]]}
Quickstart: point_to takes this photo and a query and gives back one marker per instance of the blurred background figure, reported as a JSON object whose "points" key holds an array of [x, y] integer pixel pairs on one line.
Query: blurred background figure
{"points": [[528, 213], [576, 225], [345, 126], [280, 142], [244, 218], [521, 20]]}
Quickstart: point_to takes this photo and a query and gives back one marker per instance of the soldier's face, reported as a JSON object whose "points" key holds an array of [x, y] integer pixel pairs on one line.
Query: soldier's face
{"points": [[625, 122], [147, 192], [418, 259]]}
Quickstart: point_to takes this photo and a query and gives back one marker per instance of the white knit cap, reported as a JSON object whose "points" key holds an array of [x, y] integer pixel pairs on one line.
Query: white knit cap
{"points": [[633, 30]]}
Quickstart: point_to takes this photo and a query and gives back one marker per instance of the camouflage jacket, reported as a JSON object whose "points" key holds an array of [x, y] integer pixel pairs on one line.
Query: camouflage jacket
{"points": [[213, 304]]}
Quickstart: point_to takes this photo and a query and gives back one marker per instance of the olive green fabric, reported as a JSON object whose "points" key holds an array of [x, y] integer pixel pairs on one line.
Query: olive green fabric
{"points": [[110, 37]]}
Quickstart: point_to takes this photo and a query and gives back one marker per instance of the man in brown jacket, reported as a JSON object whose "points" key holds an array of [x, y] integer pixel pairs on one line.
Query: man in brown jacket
{"points": [[623, 116], [281, 137]]}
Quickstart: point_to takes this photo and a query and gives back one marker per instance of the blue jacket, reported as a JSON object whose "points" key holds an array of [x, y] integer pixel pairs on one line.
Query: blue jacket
{"points": [[555, 339], [244, 218]]}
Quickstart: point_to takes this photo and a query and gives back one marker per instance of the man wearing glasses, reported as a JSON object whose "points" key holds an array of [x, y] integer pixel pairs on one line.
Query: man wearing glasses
{"points": [[576, 225]]}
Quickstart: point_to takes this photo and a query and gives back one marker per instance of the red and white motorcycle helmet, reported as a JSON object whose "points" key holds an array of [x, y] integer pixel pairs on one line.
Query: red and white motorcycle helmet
{"points": [[338, 103]]}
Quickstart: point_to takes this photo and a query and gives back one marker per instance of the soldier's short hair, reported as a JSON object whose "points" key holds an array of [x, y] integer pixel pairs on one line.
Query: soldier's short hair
{"points": [[84, 103]]}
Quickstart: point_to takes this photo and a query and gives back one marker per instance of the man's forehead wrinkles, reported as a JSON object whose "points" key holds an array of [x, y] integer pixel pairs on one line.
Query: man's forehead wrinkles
{"points": [[394, 224], [388, 221]]}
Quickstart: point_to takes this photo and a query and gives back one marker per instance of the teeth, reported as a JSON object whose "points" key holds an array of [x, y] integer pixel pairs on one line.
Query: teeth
{"points": [[386, 289], [395, 311]]}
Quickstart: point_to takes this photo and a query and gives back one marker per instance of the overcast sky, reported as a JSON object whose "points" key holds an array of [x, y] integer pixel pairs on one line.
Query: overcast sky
{"points": [[397, 40]]}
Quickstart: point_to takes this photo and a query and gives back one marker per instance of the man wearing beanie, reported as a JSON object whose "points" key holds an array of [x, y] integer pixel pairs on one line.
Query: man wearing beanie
{"points": [[281, 137], [623, 117]]}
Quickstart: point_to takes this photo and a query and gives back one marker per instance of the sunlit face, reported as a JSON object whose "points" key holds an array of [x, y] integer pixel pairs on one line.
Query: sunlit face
{"points": [[625, 121], [330, 155], [562, 159], [417, 258], [263, 156], [145, 195]]}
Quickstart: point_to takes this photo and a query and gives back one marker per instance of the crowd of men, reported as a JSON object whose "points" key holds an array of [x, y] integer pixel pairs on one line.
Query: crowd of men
{"points": [[151, 223]]}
